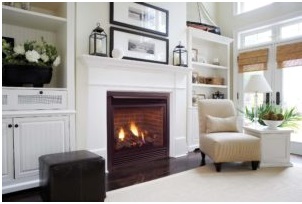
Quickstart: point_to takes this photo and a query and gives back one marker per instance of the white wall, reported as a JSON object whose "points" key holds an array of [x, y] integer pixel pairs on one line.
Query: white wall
{"points": [[87, 15]]}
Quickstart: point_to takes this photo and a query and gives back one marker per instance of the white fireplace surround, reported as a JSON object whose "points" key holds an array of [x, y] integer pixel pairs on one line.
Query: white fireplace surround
{"points": [[108, 74]]}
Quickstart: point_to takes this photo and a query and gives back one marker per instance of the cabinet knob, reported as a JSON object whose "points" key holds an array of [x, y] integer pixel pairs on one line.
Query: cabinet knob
{"points": [[10, 125], [16, 125], [40, 92]]}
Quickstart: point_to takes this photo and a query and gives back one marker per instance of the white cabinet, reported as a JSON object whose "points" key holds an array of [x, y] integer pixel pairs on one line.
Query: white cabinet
{"points": [[37, 136], [275, 145], [35, 122], [193, 130], [33, 98], [24, 141], [7, 151], [45, 117], [211, 72]]}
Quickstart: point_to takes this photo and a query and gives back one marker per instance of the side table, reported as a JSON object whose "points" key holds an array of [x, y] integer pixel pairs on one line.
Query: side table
{"points": [[275, 145]]}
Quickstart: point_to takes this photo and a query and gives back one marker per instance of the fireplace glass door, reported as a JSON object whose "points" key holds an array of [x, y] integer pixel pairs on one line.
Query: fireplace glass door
{"points": [[137, 127]]}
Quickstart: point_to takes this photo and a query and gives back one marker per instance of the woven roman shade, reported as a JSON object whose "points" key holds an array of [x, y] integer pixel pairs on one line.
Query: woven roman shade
{"points": [[289, 55], [253, 60]]}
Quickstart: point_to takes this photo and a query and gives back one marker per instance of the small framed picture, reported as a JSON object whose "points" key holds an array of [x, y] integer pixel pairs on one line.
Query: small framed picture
{"points": [[194, 55]]}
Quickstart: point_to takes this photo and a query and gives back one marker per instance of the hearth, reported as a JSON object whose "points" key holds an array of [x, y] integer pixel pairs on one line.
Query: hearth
{"points": [[138, 127]]}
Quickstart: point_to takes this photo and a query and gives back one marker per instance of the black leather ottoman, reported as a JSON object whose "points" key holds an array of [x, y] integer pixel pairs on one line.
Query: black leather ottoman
{"points": [[72, 176]]}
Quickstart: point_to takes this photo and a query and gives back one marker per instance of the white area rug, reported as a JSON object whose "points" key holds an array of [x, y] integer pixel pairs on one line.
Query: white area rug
{"points": [[204, 184]]}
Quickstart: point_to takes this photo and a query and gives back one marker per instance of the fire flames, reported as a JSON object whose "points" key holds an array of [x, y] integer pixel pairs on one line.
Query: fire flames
{"points": [[133, 136], [121, 134], [134, 129]]}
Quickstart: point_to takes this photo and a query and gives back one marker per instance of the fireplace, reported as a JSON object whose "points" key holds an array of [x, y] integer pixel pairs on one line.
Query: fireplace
{"points": [[138, 127], [118, 75]]}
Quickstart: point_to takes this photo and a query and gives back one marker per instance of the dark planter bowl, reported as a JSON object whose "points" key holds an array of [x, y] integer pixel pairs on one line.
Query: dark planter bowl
{"points": [[18, 75]]}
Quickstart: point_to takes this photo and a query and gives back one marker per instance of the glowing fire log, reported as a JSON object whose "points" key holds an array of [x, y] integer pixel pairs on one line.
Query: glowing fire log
{"points": [[121, 134], [134, 129]]}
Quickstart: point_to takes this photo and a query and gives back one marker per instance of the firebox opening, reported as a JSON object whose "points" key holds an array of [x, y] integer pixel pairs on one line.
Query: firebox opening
{"points": [[137, 127]]}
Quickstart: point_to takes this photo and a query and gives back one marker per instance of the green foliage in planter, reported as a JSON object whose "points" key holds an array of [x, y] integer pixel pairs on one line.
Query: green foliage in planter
{"points": [[33, 53], [291, 117]]}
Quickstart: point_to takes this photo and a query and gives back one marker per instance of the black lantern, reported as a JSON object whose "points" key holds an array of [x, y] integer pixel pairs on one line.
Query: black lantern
{"points": [[98, 42], [180, 56]]}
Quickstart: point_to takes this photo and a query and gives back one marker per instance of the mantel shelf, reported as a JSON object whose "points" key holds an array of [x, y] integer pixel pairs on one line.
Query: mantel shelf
{"points": [[96, 62]]}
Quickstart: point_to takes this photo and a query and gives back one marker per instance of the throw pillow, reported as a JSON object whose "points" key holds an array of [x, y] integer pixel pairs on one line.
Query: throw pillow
{"points": [[215, 124]]}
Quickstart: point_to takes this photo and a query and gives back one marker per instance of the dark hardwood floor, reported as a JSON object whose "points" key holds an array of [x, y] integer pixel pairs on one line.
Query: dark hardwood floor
{"points": [[130, 175]]}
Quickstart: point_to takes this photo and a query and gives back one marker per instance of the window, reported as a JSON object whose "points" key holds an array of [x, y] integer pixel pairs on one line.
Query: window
{"points": [[252, 61], [258, 38], [243, 7], [289, 31], [274, 33]]}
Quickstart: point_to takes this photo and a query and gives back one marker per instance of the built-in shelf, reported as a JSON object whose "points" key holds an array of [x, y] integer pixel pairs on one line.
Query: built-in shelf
{"points": [[31, 19], [199, 35], [210, 86], [206, 65], [38, 109], [208, 47]]}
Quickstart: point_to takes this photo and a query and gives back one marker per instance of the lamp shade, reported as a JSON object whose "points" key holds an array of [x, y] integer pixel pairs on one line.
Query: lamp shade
{"points": [[257, 84]]}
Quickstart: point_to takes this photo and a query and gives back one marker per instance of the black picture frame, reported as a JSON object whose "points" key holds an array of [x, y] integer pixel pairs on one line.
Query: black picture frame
{"points": [[139, 46], [137, 13]]}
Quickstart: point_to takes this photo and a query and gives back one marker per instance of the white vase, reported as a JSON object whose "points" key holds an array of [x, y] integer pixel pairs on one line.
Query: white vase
{"points": [[117, 53]]}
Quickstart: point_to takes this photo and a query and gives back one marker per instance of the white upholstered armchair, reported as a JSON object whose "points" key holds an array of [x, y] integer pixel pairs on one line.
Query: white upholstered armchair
{"points": [[219, 136]]}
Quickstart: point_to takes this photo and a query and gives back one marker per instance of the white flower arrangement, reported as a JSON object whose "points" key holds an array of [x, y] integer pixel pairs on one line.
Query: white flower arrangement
{"points": [[31, 52]]}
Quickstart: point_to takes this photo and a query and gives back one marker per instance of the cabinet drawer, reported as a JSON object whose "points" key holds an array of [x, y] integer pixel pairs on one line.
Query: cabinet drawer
{"points": [[33, 99]]}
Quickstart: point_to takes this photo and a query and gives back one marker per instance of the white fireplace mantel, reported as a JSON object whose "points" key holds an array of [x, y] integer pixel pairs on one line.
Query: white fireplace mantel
{"points": [[108, 74]]}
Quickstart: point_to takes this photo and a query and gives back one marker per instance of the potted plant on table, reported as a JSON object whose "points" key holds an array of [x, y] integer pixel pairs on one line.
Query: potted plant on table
{"points": [[30, 63], [286, 117]]}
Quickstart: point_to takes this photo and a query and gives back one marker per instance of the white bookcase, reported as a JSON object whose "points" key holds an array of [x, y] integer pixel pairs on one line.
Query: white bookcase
{"points": [[38, 121], [210, 49]]}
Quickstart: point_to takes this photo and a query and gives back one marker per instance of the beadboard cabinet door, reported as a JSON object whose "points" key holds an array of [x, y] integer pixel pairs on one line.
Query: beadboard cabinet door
{"points": [[7, 151], [38, 136]]}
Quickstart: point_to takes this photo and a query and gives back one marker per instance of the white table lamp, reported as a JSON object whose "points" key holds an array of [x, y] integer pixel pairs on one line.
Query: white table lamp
{"points": [[257, 84]]}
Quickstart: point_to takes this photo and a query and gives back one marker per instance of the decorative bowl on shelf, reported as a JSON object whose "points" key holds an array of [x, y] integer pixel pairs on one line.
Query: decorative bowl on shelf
{"points": [[273, 124]]}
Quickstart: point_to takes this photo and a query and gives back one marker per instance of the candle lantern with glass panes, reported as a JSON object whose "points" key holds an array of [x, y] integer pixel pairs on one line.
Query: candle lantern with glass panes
{"points": [[98, 42], [180, 56]]}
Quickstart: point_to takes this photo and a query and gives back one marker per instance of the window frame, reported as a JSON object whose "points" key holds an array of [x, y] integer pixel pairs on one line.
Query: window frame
{"points": [[243, 35], [293, 22], [276, 33]]}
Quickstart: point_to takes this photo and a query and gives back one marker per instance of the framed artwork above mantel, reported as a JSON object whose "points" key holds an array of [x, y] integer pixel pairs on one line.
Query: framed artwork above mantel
{"points": [[140, 16], [140, 46]]}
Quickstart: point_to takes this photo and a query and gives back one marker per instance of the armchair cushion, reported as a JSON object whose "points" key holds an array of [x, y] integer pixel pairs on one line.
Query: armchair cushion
{"points": [[216, 124], [231, 146]]}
